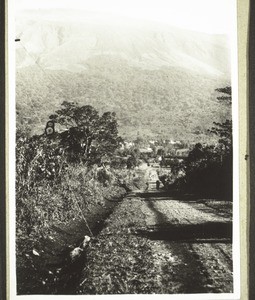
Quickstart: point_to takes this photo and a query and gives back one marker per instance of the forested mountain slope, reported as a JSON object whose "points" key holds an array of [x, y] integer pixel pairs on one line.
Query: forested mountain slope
{"points": [[160, 81]]}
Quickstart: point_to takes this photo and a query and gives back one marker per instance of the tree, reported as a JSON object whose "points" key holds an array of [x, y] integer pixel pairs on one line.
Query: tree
{"points": [[208, 168], [133, 160], [196, 154], [224, 130], [227, 91], [88, 136]]}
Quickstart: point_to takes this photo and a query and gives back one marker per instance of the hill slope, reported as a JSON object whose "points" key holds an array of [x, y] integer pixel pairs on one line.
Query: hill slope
{"points": [[167, 102], [68, 43], [160, 81]]}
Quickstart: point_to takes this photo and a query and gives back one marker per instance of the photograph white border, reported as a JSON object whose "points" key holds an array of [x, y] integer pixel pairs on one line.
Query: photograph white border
{"points": [[11, 180]]}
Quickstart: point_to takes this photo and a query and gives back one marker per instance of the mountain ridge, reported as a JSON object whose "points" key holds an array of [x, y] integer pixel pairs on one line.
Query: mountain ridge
{"points": [[61, 45], [159, 80], [163, 103]]}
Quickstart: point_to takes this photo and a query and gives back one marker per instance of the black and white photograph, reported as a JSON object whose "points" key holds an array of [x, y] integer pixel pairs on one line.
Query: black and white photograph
{"points": [[125, 130]]}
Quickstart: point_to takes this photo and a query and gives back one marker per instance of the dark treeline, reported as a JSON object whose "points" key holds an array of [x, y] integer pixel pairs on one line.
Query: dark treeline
{"points": [[208, 169]]}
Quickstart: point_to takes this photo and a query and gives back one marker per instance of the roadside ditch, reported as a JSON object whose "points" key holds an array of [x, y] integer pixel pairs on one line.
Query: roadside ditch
{"points": [[49, 269]]}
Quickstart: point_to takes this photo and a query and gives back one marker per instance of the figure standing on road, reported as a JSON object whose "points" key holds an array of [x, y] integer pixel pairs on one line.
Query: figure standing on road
{"points": [[157, 184]]}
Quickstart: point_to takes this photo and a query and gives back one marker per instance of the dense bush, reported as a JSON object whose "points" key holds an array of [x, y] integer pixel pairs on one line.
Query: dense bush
{"points": [[52, 188], [206, 172], [208, 169], [210, 174]]}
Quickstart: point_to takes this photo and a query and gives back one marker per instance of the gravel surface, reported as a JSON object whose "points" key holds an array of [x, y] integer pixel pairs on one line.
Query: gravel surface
{"points": [[157, 244], [192, 242]]}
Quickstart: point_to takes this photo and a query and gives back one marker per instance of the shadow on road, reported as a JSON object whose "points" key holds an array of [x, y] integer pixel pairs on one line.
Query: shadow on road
{"points": [[159, 195], [209, 232], [203, 232]]}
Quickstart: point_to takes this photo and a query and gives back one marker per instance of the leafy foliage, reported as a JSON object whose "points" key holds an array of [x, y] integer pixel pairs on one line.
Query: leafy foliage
{"points": [[62, 200], [209, 171], [88, 135], [133, 160], [224, 130], [208, 168], [53, 187], [38, 158], [157, 103]]}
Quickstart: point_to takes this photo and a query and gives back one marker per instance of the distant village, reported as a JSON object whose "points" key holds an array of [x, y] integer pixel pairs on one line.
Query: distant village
{"points": [[157, 152], [153, 148]]}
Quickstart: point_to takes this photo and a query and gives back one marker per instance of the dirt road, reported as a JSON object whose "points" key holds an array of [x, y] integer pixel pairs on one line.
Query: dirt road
{"points": [[192, 242], [157, 244]]}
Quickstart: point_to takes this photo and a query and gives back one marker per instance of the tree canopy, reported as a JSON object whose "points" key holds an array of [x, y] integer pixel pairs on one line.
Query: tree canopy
{"points": [[224, 130], [87, 135]]}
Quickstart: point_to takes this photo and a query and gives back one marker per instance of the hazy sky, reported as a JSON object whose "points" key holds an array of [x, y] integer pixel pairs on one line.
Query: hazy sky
{"points": [[212, 16]]}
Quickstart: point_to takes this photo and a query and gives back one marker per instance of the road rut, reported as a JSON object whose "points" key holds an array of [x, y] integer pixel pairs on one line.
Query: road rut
{"points": [[192, 242]]}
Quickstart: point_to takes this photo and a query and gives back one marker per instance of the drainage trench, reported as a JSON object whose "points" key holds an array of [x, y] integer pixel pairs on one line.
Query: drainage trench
{"points": [[52, 271], [68, 277]]}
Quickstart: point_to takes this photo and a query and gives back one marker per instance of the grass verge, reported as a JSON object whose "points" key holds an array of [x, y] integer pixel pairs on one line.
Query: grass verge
{"points": [[119, 261]]}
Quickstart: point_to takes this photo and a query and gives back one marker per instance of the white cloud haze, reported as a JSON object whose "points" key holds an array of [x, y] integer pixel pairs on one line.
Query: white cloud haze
{"points": [[212, 16]]}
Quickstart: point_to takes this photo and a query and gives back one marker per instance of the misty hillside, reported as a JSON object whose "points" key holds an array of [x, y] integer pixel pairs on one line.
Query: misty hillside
{"points": [[69, 44], [167, 102], [160, 81]]}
